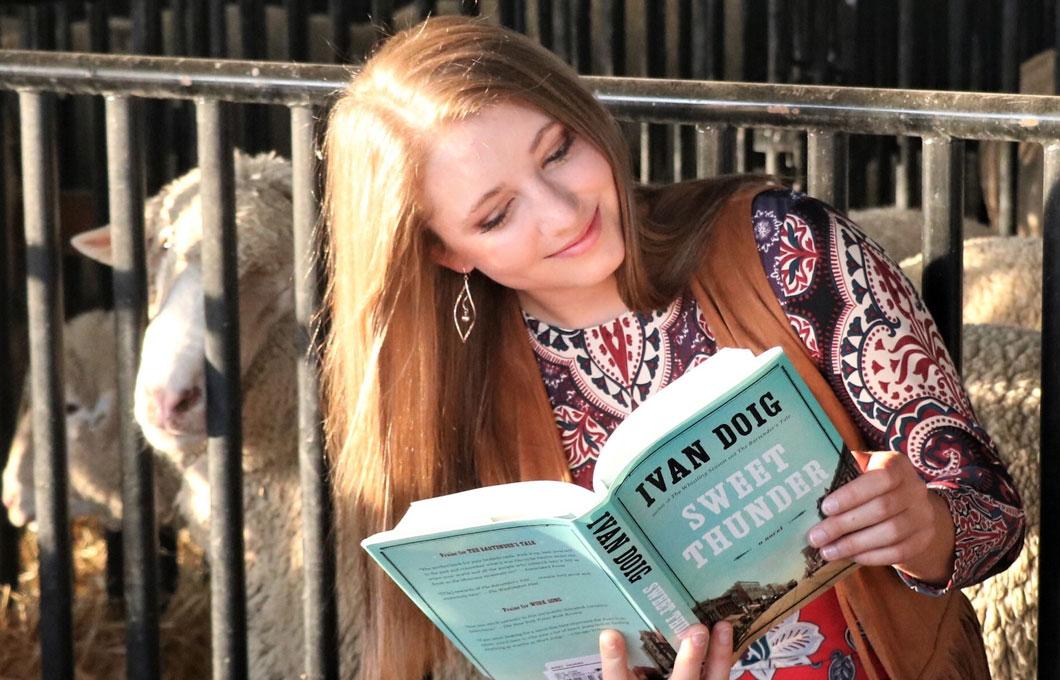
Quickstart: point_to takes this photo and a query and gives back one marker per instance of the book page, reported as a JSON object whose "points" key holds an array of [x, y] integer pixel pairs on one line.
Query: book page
{"points": [[489, 505], [521, 600]]}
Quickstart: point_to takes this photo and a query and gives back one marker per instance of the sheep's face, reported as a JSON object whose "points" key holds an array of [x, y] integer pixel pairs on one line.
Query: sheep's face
{"points": [[169, 401], [93, 457]]}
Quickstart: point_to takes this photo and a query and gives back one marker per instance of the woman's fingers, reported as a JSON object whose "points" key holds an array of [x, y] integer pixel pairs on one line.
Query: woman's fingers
{"points": [[613, 661], [701, 656], [719, 653], [691, 653]]}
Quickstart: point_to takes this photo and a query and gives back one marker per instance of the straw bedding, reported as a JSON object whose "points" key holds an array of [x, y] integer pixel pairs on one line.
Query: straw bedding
{"points": [[99, 628]]}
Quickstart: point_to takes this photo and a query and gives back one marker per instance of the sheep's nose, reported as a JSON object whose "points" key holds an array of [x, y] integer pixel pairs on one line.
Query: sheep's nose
{"points": [[170, 407]]}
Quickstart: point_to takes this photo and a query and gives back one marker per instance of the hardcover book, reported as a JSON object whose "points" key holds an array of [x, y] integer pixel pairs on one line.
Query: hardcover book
{"points": [[702, 501]]}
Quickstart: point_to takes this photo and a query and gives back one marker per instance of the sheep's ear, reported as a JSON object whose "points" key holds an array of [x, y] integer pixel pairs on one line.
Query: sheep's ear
{"points": [[95, 244]]}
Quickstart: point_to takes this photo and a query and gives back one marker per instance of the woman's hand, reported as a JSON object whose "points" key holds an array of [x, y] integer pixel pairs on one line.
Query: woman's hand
{"points": [[887, 515], [701, 656]]}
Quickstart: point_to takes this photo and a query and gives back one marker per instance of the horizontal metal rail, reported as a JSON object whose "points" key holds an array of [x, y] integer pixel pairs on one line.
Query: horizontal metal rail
{"points": [[971, 115]]}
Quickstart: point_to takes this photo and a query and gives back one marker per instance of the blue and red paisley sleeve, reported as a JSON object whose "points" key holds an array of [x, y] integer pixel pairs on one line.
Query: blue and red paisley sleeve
{"points": [[873, 339]]}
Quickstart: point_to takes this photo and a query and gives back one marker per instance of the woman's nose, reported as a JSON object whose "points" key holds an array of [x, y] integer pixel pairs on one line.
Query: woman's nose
{"points": [[558, 208]]}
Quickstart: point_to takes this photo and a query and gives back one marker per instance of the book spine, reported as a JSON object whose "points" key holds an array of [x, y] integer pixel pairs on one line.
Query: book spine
{"points": [[635, 567]]}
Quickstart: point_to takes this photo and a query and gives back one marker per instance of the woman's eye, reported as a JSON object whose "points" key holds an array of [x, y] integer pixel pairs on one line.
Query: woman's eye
{"points": [[497, 221], [564, 147]]}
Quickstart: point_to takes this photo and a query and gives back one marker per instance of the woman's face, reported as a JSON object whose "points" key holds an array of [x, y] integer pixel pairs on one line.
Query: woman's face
{"points": [[517, 195]]}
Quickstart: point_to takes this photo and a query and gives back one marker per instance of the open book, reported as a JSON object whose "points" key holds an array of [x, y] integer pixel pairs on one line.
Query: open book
{"points": [[702, 500]]}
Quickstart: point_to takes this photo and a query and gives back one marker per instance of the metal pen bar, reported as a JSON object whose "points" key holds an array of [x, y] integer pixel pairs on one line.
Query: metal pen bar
{"points": [[711, 159], [828, 167], [512, 13], [609, 38], [659, 139], [905, 176], [339, 13], [217, 25], [45, 302], [321, 616], [957, 37], [1006, 208], [96, 15], [1049, 540], [297, 30], [254, 124], [228, 613], [139, 527], [943, 252], [978, 115], [9, 390]]}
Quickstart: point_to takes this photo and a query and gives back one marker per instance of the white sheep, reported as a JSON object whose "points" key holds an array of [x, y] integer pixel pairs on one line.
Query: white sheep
{"points": [[1002, 280], [1002, 373], [899, 230], [169, 402], [92, 448]]}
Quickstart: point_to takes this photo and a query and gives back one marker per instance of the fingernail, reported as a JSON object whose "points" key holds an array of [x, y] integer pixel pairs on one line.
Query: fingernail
{"points": [[829, 552], [828, 506], [723, 633], [817, 538], [699, 638]]}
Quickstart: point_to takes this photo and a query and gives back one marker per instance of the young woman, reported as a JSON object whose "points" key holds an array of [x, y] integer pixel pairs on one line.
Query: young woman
{"points": [[503, 295]]}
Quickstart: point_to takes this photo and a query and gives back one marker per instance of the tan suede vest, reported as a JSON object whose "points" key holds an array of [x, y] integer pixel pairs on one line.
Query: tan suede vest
{"points": [[913, 635]]}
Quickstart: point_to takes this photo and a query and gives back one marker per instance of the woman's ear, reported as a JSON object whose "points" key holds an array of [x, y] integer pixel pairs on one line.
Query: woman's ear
{"points": [[447, 258]]}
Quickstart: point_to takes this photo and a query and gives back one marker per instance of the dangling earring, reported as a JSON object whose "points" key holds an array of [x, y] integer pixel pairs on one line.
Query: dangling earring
{"points": [[464, 312]]}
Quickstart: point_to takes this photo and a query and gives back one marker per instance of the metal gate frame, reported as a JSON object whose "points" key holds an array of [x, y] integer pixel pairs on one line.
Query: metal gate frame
{"points": [[827, 114]]}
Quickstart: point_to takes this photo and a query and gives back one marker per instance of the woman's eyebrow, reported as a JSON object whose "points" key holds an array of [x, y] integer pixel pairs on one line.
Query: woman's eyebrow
{"points": [[495, 190]]}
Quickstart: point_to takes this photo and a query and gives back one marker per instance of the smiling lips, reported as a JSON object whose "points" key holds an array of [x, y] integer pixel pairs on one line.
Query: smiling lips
{"points": [[585, 240]]}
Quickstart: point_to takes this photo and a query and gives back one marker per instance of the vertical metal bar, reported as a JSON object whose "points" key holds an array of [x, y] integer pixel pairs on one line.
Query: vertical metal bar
{"points": [[297, 30], [828, 169], [339, 12], [228, 611], [560, 30], [707, 39], [1008, 161], [124, 163], [943, 252], [382, 16], [776, 70], [544, 23], [581, 30], [660, 139], [957, 25], [609, 38], [905, 177], [9, 396], [1049, 545], [38, 26], [199, 29], [217, 23], [320, 610], [711, 157], [513, 14], [147, 39], [252, 29], [96, 15], [254, 125], [45, 301], [62, 25]]}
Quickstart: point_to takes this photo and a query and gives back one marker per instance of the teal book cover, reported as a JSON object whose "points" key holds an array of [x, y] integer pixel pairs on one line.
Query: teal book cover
{"points": [[701, 504]]}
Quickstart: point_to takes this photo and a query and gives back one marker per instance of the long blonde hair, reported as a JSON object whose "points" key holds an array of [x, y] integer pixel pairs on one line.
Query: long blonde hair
{"points": [[411, 412]]}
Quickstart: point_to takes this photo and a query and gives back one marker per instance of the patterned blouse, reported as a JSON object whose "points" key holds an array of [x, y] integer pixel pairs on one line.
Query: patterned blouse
{"points": [[871, 336]]}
